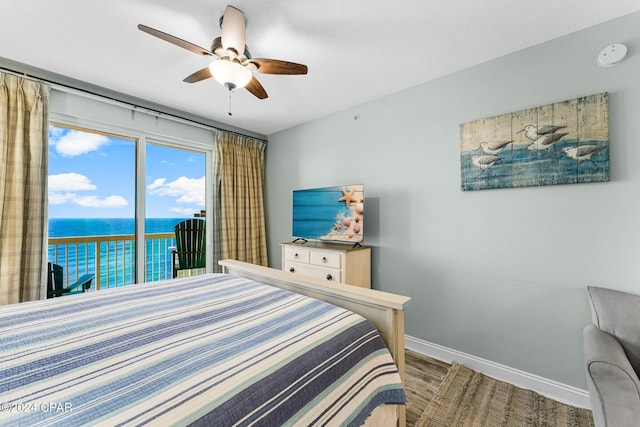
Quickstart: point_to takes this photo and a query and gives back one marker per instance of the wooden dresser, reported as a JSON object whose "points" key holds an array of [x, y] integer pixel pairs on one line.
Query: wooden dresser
{"points": [[334, 262]]}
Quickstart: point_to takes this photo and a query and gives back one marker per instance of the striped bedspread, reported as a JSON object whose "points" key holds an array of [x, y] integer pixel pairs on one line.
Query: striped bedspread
{"points": [[214, 350]]}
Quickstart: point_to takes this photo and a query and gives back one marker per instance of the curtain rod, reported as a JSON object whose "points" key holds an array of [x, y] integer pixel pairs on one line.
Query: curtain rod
{"points": [[93, 95]]}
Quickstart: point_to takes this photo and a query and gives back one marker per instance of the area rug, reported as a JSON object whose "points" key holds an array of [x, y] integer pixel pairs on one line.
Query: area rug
{"points": [[469, 398]]}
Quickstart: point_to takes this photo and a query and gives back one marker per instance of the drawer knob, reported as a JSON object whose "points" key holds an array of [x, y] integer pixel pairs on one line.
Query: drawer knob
{"points": [[292, 269], [329, 277], [295, 256], [324, 260]]}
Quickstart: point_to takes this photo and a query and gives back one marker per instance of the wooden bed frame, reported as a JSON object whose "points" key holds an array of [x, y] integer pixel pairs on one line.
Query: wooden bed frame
{"points": [[383, 309]]}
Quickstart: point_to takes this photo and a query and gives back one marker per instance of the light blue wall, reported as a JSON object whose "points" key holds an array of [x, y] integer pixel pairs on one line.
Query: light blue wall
{"points": [[499, 274]]}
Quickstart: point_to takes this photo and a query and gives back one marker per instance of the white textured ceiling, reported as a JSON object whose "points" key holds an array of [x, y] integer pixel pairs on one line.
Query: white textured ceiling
{"points": [[356, 50]]}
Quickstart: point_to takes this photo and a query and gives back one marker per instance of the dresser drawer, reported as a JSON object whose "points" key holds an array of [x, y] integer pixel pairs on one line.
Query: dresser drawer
{"points": [[327, 274], [326, 259], [334, 262], [296, 254]]}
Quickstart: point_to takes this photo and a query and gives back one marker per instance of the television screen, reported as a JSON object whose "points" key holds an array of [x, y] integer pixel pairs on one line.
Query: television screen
{"points": [[329, 213]]}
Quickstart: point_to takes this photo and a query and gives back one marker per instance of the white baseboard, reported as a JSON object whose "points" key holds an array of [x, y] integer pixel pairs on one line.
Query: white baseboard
{"points": [[553, 389]]}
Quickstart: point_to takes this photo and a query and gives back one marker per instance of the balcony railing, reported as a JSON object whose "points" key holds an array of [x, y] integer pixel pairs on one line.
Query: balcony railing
{"points": [[111, 258]]}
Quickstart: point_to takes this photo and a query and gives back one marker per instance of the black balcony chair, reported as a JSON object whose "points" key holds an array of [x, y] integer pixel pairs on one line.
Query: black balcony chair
{"points": [[55, 282], [190, 245]]}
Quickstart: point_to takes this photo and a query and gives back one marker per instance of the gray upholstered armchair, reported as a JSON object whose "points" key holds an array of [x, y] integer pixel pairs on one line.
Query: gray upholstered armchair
{"points": [[612, 357]]}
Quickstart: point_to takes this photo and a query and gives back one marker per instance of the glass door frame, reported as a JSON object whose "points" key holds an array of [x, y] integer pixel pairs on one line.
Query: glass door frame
{"points": [[141, 189], [141, 138]]}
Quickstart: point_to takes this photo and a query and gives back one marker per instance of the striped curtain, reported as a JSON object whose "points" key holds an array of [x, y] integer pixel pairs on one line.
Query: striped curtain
{"points": [[240, 231], [23, 189]]}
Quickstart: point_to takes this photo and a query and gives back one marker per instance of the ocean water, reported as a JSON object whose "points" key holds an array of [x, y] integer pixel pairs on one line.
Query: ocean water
{"points": [[118, 255], [67, 227], [519, 167]]}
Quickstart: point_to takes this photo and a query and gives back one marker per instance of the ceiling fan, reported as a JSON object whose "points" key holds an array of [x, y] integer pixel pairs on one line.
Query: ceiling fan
{"points": [[232, 65]]}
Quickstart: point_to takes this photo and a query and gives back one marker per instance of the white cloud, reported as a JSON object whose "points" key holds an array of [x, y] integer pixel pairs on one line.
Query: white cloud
{"points": [[184, 211], [63, 187], [61, 198], [87, 201], [75, 143], [97, 202], [156, 184], [185, 190], [70, 182], [55, 133]]}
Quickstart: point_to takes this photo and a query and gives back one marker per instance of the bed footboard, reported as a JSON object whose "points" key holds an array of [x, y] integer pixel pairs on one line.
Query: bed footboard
{"points": [[383, 309]]}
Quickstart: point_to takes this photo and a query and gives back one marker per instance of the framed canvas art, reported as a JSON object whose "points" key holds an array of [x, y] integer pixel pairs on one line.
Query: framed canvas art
{"points": [[562, 143]]}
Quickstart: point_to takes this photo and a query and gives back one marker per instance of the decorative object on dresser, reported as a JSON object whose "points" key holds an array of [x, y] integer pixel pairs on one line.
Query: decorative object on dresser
{"points": [[333, 262], [330, 214]]}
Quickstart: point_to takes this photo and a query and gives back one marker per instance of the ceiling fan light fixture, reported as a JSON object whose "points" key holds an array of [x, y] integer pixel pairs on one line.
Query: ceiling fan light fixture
{"points": [[230, 74], [234, 65]]}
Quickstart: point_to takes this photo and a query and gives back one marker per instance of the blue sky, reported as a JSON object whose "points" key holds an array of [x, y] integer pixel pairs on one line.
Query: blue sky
{"points": [[93, 176]]}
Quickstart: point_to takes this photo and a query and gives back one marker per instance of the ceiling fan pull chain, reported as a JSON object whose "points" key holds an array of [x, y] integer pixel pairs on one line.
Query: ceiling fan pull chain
{"points": [[230, 92]]}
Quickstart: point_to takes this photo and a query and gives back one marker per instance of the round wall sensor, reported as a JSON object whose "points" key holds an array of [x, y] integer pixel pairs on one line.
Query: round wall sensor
{"points": [[612, 54]]}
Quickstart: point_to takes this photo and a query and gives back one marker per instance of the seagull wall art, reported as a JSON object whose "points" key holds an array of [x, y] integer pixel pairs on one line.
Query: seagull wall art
{"points": [[543, 137], [545, 145], [484, 163], [545, 141], [582, 153], [494, 147], [535, 132]]}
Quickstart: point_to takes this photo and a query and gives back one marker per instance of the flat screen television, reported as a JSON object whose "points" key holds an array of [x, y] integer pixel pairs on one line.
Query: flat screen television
{"points": [[329, 213]]}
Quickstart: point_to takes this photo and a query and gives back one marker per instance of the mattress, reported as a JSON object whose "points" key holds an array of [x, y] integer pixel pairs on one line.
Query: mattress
{"points": [[206, 350]]}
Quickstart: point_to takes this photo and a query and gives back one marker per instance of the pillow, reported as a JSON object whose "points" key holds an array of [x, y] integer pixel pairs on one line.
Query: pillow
{"points": [[618, 313]]}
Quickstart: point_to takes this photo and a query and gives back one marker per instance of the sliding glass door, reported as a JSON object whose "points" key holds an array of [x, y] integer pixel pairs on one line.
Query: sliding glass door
{"points": [[91, 190], [175, 191], [118, 186]]}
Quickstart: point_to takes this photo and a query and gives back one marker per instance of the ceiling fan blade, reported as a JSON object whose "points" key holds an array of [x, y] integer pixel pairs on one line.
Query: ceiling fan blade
{"points": [[256, 88], [199, 75], [233, 32], [275, 66], [175, 40]]}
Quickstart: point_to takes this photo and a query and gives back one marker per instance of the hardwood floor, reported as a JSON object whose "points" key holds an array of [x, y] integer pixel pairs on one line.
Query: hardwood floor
{"points": [[423, 378]]}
